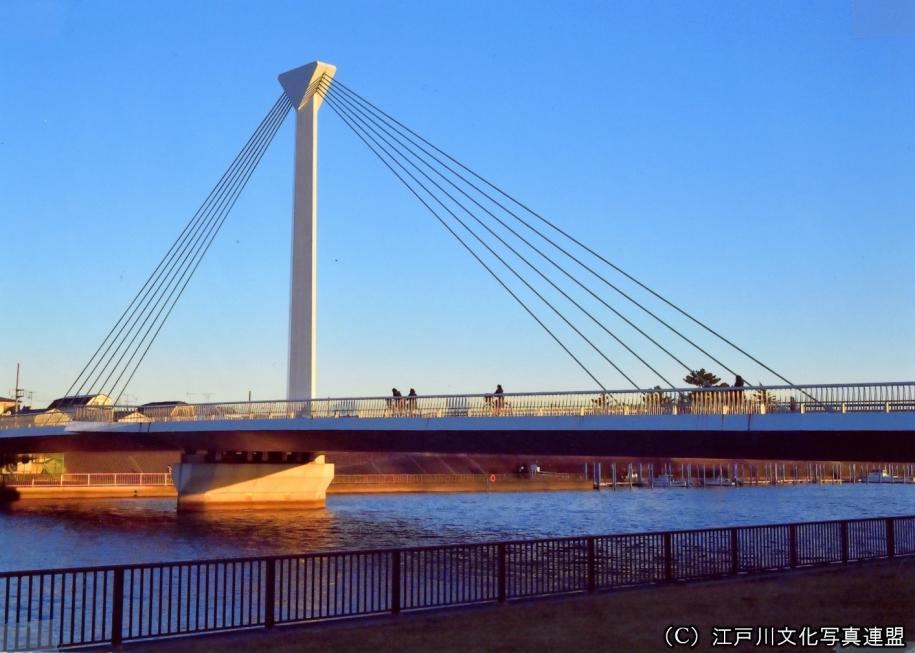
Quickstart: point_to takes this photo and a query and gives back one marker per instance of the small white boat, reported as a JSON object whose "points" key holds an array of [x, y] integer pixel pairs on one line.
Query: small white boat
{"points": [[881, 476], [718, 481], [666, 480]]}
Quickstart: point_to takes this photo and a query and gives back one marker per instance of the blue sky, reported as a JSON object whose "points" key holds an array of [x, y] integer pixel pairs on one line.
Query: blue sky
{"points": [[753, 161]]}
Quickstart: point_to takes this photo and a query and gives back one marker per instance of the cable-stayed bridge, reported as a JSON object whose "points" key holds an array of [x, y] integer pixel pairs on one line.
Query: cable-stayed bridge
{"points": [[608, 322]]}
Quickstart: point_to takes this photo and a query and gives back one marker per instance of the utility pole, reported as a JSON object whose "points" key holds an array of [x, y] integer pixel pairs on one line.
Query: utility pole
{"points": [[17, 393]]}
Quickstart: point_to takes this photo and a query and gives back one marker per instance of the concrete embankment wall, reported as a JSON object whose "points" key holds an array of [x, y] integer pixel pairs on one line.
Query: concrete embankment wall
{"points": [[96, 492], [368, 484], [477, 484]]}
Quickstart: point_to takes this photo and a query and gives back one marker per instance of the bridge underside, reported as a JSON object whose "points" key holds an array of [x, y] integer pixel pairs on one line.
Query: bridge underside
{"points": [[889, 439], [273, 462]]}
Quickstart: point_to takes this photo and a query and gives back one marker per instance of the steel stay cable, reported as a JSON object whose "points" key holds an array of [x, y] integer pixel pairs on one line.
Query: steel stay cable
{"points": [[186, 281], [377, 110], [471, 251], [214, 213], [168, 259], [379, 122], [206, 209], [519, 255], [179, 266], [201, 252], [522, 257], [502, 260], [510, 268], [559, 247], [155, 274]]}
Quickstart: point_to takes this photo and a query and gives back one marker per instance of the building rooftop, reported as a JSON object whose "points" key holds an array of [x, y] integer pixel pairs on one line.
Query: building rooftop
{"points": [[80, 400]]}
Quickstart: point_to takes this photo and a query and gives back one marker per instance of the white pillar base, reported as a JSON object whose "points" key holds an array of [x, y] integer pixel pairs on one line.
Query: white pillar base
{"points": [[208, 486]]}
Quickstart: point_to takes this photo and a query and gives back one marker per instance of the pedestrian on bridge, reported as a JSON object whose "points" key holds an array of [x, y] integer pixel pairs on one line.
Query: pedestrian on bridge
{"points": [[411, 401], [498, 400], [739, 383], [396, 401]]}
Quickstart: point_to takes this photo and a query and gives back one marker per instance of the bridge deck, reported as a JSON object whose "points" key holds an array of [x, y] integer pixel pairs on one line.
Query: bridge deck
{"points": [[860, 422]]}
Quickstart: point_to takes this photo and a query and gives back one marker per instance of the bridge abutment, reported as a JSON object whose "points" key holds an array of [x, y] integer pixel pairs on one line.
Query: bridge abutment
{"points": [[208, 482]]}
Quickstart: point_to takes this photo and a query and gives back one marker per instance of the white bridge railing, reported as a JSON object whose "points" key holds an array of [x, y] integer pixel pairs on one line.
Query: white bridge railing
{"points": [[835, 398], [86, 480]]}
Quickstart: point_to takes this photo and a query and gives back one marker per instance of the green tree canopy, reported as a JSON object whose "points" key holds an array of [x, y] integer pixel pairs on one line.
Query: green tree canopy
{"points": [[702, 378]]}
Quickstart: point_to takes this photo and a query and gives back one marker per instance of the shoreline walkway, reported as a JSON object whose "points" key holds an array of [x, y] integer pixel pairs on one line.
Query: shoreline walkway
{"points": [[116, 604], [876, 593]]}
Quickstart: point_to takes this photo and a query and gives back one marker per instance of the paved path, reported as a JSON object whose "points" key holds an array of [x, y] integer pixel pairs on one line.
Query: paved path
{"points": [[875, 593]]}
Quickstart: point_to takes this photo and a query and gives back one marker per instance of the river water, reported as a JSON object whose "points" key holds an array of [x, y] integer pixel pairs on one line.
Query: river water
{"points": [[45, 534]]}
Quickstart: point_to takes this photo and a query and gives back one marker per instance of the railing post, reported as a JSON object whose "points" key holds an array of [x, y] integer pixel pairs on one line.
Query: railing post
{"points": [[668, 558], [117, 607], [890, 537], [592, 571], [395, 582], [501, 573], [735, 553], [792, 545], [843, 534], [270, 594]]}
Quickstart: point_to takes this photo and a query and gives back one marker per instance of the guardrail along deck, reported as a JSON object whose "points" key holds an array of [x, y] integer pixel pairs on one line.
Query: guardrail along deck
{"points": [[835, 398]]}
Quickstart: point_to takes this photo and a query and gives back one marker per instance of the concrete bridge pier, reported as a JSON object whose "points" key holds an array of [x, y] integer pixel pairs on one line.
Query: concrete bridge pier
{"points": [[229, 480]]}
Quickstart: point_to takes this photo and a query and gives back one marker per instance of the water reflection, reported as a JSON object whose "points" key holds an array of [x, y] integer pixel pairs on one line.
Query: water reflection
{"points": [[43, 534]]}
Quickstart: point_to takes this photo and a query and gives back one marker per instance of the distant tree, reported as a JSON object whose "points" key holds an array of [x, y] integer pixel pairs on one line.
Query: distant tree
{"points": [[702, 378], [8, 462]]}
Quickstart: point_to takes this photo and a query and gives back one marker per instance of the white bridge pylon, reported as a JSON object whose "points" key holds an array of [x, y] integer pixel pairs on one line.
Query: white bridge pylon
{"points": [[300, 85]]}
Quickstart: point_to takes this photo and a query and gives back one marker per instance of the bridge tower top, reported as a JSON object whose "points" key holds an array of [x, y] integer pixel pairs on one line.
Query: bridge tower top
{"points": [[300, 83], [301, 86]]}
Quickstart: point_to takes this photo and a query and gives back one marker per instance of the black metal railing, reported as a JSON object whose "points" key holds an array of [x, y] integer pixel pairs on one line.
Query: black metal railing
{"points": [[116, 604]]}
